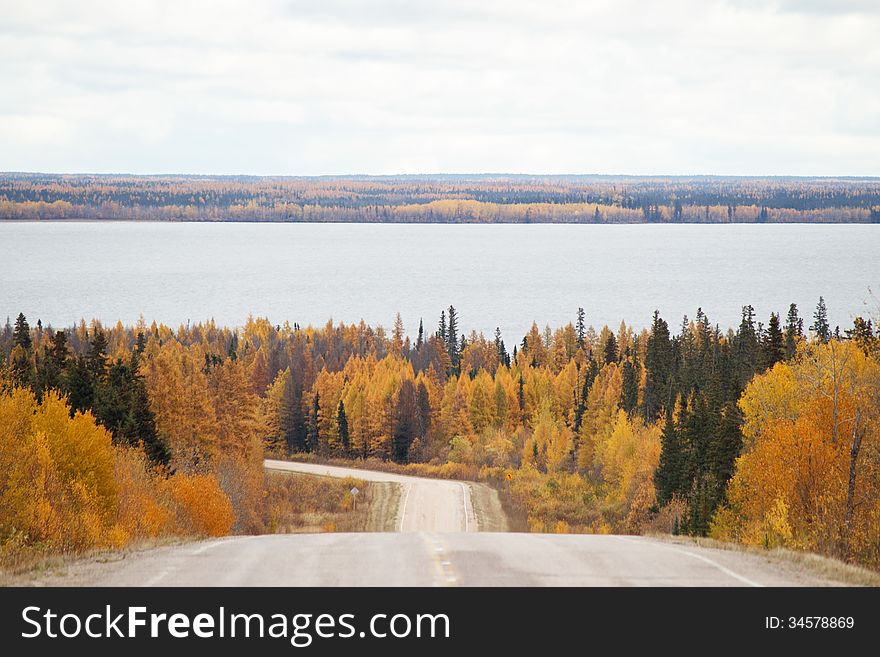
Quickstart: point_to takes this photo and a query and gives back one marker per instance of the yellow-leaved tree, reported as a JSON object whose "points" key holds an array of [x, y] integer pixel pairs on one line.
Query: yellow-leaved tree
{"points": [[809, 475]]}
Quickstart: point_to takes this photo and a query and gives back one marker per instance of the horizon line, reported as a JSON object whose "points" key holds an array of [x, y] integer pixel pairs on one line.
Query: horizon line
{"points": [[439, 174]]}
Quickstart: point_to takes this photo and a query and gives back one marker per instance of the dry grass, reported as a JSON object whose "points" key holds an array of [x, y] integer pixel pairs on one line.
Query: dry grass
{"points": [[31, 566], [814, 564], [298, 503], [487, 509]]}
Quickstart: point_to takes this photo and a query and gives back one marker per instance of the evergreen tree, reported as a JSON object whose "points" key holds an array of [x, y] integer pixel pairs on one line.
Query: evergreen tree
{"points": [[794, 329], [441, 330], [820, 322], [79, 384], [342, 423], [579, 407], [21, 335], [669, 475], [140, 343], [423, 409], [420, 340], [862, 333], [629, 396], [52, 364], [58, 352], [298, 440], [313, 439], [122, 405], [520, 397], [725, 448], [290, 418], [21, 359], [746, 346], [97, 355], [773, 346], [144, 422], [499, 347], [452, 344], [405, 422], [611, 349], [581, 326], [658, 370]]}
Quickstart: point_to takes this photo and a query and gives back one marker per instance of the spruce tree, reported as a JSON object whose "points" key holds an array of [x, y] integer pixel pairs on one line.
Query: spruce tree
{"points": [[773, 346], [21, 335], [21, 359], [669, 473], [140, 343], [420, 340], [313, 437], [290, 413], [423, 409], [629, 396], [53, 363], [581, 326], [452, 344], [405, 422], [862, 333], [58, 352], [299, 420], [746, 346], [658, 368], [97, 355], [342, 423], [79, 384], [143, 421], [521, 398], [611, 349], [820, 322], [794, 329]]}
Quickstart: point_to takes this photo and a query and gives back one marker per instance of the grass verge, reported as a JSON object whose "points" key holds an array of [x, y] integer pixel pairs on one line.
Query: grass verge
{"points": [[808, 562]]}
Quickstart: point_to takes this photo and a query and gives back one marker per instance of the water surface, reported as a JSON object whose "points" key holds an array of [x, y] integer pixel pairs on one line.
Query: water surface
{"points": [[495, 275]]}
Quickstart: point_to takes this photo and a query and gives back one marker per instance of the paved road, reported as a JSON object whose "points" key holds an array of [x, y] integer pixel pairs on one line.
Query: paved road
{"points": [[437, 545], [434, 559], [426, 505]]}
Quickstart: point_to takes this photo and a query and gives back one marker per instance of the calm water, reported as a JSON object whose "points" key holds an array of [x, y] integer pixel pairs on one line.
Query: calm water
{"points": [[497, 275]]}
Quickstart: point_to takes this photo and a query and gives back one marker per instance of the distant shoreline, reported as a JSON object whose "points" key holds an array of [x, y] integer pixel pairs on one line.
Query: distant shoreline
{"points": [[79, 220], [441, 199]]}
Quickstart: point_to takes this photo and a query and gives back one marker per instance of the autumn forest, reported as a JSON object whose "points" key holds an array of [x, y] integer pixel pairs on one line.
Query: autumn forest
{"points": [[441, 199], [767, 434]]}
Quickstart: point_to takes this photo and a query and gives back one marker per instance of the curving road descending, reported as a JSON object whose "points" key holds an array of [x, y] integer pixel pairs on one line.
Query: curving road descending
{"points": [[426, 505], [436, 545]]}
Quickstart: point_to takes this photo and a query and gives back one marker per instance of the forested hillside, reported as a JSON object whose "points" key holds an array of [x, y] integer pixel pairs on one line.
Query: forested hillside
{"points": [[766, 434], [441, 199]]}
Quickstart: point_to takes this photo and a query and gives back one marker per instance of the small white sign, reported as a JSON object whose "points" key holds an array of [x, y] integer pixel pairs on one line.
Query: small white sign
{"points": [[355, 491]]}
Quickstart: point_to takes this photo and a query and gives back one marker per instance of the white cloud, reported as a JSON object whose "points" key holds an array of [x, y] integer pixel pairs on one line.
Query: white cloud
{"points": [[336, 86]]}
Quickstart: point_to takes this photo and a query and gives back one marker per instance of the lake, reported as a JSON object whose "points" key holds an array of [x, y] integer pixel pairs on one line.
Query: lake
{"points": [[495, 275]]}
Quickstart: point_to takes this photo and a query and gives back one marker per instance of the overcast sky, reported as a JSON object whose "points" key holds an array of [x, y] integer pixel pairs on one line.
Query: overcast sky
{"points": [[419, 86]]}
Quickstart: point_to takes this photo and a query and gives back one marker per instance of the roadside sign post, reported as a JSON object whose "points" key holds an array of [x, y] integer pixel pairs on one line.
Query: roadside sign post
{"points": [[354, 493]]}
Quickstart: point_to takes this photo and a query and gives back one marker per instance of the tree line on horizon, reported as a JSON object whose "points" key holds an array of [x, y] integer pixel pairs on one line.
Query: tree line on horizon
{"points": [[440, 199], [767, 434]]}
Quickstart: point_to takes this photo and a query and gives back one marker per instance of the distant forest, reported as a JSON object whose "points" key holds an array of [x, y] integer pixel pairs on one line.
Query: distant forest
{"points": [[441, 199]]}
